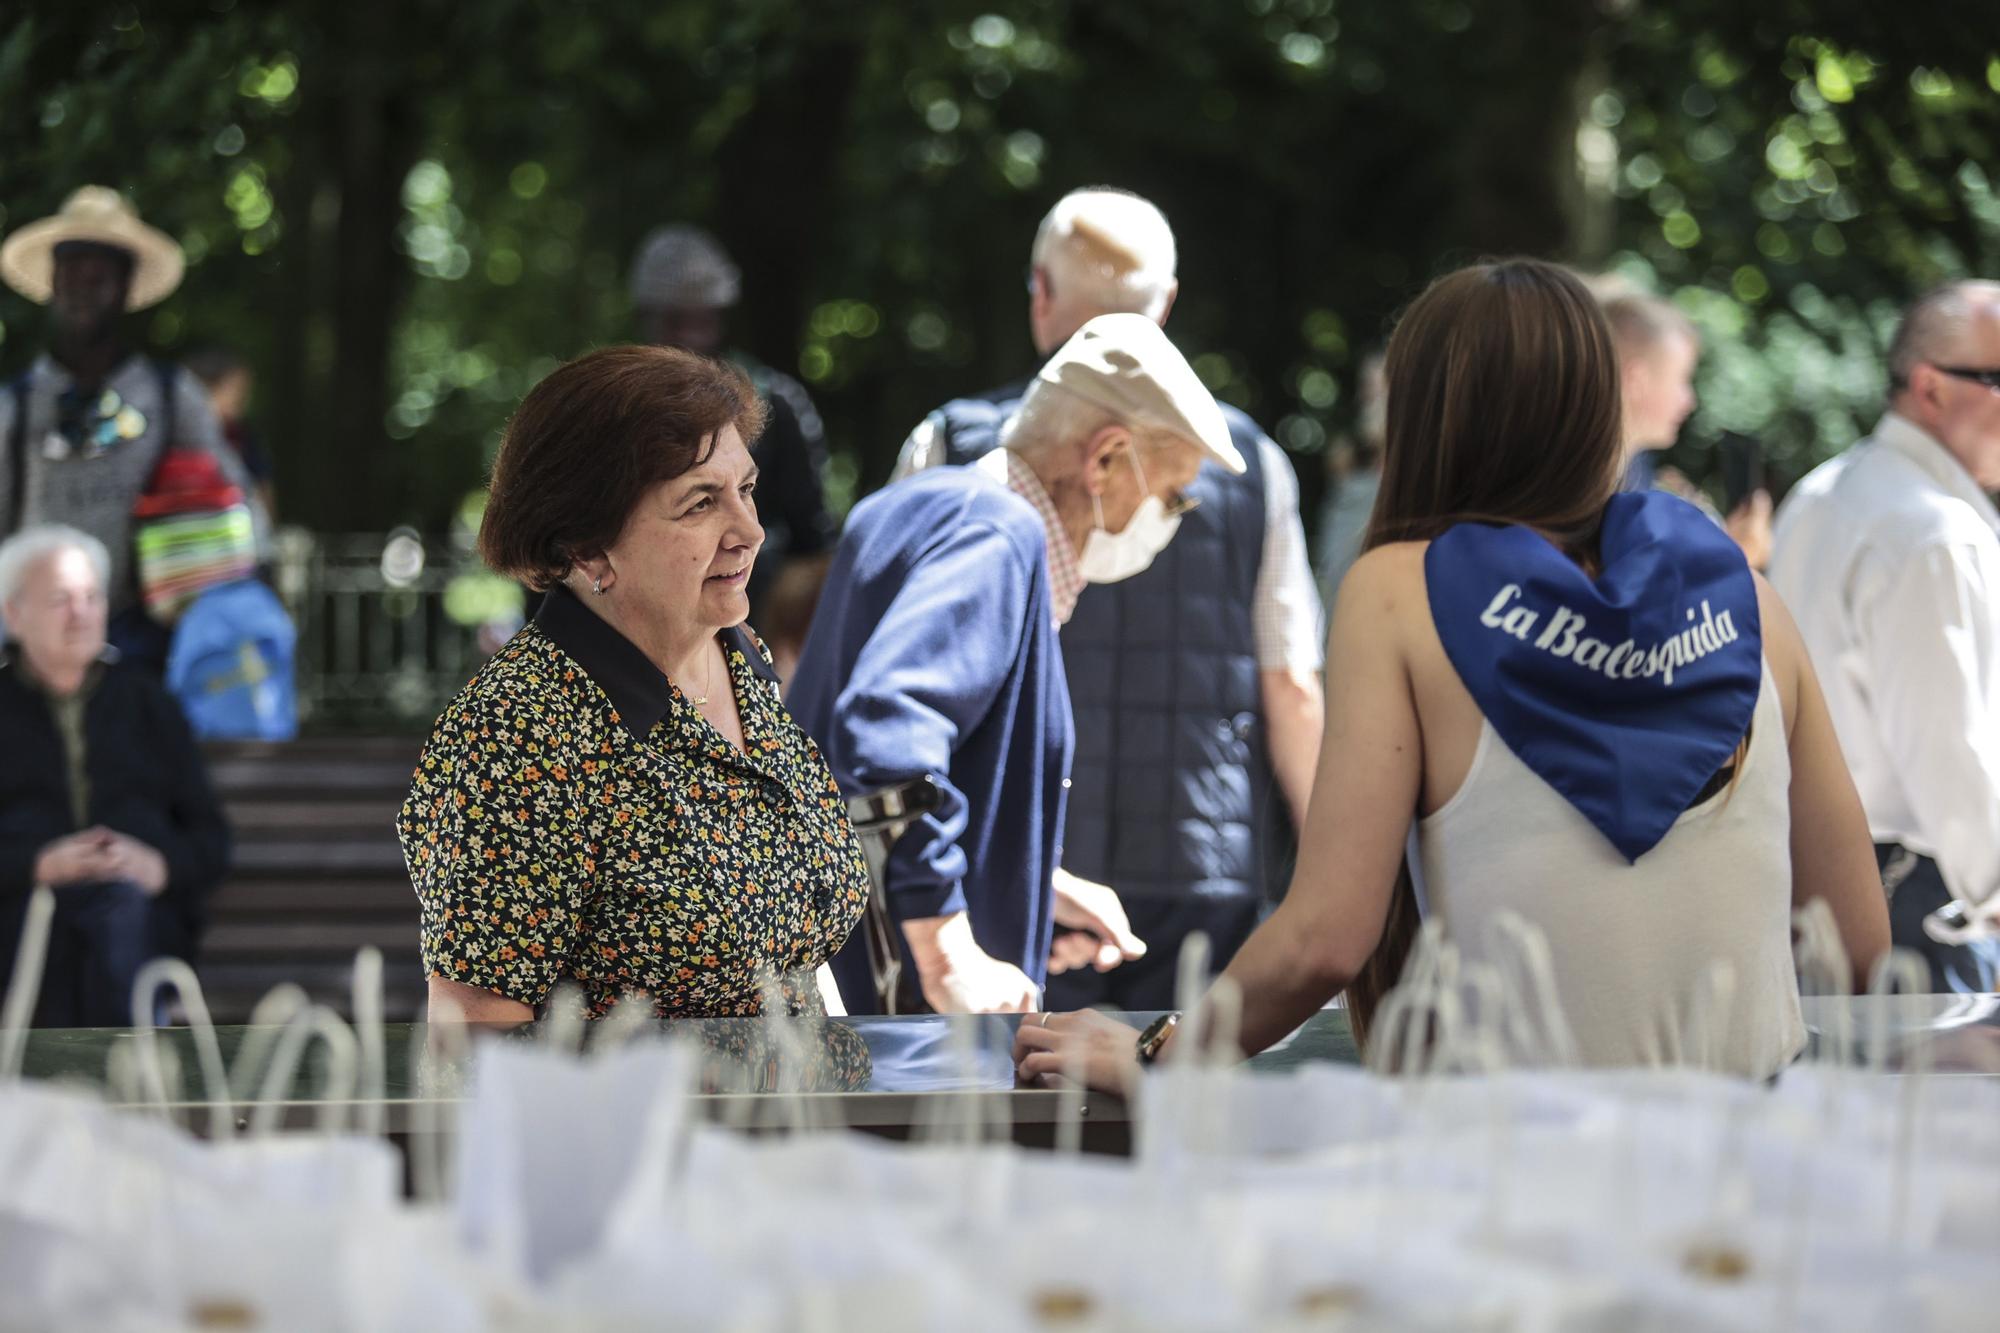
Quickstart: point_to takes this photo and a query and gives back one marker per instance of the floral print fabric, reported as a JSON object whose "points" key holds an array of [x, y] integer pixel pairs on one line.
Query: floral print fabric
{"points": [[548, 842]]}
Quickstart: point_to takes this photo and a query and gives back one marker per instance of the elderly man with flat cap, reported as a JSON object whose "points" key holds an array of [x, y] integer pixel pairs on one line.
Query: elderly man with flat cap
{"points": [[82, 431], [935, 655], [1196, 680]]}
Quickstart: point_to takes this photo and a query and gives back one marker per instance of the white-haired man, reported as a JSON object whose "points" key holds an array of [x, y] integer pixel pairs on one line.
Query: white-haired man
{"points": [[1195, 678], [934, 656], [103, 797], [1889, 557]]}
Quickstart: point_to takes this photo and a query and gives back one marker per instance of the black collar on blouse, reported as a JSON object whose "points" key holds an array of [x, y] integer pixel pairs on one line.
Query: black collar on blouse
{"points": [[639, 690]]}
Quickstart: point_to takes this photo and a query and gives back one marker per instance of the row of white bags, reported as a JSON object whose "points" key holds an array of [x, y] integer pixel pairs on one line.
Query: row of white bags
{"points": [[567, 1190], [588, 1196]]}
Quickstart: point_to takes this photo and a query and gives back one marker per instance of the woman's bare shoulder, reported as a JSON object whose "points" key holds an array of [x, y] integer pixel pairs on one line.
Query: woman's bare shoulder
{"points": [[1386, 581]]}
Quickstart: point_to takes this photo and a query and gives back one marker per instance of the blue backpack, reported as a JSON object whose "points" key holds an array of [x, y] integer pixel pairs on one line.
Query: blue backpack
{"points": [[231, 665]]}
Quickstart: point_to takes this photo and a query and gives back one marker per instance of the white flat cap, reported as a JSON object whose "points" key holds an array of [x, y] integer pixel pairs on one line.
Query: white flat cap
{"points": [[1125, 365]]}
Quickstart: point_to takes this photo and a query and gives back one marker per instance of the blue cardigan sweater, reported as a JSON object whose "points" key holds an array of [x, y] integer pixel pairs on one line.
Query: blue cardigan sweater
{"points": [[934, 651]]}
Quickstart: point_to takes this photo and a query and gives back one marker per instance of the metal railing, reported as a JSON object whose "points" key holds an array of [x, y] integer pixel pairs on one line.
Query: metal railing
{"points": [[387, 634]]}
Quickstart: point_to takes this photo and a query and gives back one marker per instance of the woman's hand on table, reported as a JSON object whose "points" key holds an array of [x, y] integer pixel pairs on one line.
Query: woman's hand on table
{"points": [[1101, 1051]]}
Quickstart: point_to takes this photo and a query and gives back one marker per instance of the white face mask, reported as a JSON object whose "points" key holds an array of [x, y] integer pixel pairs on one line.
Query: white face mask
{"points": [[1108, 557]]}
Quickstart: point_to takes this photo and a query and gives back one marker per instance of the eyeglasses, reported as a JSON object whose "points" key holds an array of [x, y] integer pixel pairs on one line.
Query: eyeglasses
{"points": [[1989, 378], [1177, 502]]}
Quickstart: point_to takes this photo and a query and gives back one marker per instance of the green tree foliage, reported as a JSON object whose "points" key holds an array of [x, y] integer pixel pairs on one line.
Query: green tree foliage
{"points": [[406, 211], [1793, 175]]}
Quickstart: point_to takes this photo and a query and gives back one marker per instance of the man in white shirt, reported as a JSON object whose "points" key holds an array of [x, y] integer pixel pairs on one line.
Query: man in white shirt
{"points": [[1889, 557]]}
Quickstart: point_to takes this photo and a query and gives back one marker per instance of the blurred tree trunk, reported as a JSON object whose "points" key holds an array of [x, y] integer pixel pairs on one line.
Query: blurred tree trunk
{"points": [[356, 142], [374, 152], [1516, 155], [775, 182]]}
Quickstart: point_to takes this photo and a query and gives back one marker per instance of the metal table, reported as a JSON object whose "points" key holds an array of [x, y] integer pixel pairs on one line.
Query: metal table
{"points": [[893, 1076]]}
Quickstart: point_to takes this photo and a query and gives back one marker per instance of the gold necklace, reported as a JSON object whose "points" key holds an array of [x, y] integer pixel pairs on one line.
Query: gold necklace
{"points": [[708, 680]]}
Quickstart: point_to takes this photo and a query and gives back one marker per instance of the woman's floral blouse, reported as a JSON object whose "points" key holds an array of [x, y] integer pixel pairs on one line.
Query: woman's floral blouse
{"points": [[574, 818]]}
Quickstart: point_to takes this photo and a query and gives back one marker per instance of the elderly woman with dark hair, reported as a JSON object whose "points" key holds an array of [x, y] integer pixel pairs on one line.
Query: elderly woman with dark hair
{"points": [[103, 797], [618, 800]]}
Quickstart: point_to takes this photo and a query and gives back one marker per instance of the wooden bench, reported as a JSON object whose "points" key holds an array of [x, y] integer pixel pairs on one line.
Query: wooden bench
{"points": [[317, 874]]}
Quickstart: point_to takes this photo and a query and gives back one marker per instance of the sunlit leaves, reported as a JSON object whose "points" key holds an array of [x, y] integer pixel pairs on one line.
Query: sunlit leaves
{"points": [[1843, 195], [272, 84]]}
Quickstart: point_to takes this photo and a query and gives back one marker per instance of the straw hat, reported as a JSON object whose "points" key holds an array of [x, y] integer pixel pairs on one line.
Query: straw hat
{"points": [[100, 216]]}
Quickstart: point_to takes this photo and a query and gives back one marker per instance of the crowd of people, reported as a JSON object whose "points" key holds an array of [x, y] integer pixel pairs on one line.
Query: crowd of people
{"points": [[1079, 648], [1076, 643]]}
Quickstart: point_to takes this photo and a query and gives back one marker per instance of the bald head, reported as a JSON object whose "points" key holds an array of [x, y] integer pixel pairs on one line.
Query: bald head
{"points": [[1937, 326], [1099, 251], [1948, 337]]}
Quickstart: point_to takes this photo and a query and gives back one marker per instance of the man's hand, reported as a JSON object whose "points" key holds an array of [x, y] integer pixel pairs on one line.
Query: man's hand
{"points": [[958, 977], [1105, 939], [1750, 525], [76, 859], [133, 860]]}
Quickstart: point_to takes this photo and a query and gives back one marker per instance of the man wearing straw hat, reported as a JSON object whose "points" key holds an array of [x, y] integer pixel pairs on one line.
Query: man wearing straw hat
{"points": [[83, 430]]}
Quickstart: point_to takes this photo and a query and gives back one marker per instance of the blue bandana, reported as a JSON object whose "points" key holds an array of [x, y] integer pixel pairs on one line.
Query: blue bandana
{"points": [[1626, 693]]}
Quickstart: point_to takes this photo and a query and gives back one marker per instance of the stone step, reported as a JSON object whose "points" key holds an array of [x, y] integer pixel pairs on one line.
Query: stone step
{"points": [[271, 856], [309, 894], [317, 939]]}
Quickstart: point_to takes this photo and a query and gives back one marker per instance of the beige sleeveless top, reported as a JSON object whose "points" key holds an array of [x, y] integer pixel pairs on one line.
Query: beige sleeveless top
{"points": [[1633, 943]]}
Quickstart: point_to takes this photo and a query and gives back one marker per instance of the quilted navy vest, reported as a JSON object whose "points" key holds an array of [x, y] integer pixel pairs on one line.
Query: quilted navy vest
{"points": [[1173, 794]]}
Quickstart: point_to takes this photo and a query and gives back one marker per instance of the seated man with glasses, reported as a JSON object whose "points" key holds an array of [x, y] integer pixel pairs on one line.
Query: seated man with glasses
{"points": [[1889, 556]]}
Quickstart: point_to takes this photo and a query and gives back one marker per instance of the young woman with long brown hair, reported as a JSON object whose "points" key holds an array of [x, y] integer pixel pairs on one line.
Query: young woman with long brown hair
{"points": [[1548, 698]]}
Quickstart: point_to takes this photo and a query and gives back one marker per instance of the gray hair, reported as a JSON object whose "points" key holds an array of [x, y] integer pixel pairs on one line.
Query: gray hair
{"points": [[1639, 320], [1112, 248], [682, 265], [1935, 323], [27, 548], [1051, 415]]}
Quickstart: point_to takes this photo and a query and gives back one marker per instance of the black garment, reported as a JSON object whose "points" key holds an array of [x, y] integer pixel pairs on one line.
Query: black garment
{"points": [[1956, 969], [100, 937], [791, 485], [248, 443], [147, 780], [1146, 984], [142, 642]]}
